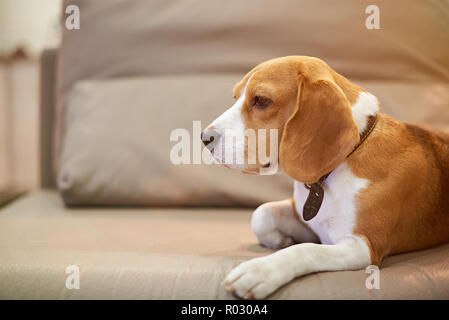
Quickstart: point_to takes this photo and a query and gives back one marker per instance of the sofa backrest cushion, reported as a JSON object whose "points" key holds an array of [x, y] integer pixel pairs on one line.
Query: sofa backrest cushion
{"points": [[122, 38]]}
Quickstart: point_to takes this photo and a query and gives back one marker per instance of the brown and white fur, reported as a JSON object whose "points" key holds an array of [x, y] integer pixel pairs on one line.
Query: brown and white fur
{"points": [[390, 196]]}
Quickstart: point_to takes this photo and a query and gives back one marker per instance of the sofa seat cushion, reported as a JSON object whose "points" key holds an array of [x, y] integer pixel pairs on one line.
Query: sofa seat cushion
{"points": [[170, 253]]}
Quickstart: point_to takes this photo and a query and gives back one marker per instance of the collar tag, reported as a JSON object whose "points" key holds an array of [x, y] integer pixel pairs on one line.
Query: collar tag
{"points": [[314, 200]]}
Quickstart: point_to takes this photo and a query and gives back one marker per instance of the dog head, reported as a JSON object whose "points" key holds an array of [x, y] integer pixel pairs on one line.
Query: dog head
{"points": [[307, 107]]}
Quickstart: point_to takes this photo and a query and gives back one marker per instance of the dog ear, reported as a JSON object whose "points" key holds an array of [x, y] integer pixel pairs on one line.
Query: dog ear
{"points": [[320, 133]]}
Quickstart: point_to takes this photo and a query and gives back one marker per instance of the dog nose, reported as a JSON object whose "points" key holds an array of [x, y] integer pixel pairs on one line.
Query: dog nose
{"points": [[208, 136], [206, 141]]}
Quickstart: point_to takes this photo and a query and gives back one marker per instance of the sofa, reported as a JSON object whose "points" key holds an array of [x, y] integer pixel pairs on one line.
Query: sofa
{"points": [[137, 226]]}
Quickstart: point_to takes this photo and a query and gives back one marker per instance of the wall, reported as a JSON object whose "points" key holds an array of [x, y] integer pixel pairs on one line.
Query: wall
{"points": [[31, 25]]}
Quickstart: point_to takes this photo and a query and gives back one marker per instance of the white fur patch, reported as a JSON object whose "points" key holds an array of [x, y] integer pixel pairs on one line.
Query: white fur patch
{"points": [[276, 226], [366, 105], [334, 225], [260, 277], [231, 146], [336, 218]]}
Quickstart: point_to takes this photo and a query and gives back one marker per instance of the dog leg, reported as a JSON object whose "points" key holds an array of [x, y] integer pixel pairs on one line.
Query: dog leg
{"points": [[277, 226], [260, 277]]}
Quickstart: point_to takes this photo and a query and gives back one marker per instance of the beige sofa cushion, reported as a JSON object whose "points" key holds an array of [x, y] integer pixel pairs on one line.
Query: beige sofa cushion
{"points": [[417, 102], [171, 254], [117, 148], [117, 145], [160, 37]]}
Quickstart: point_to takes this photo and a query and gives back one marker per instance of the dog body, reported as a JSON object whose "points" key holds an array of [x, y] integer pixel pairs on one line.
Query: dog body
{"points": [[387, 191]]}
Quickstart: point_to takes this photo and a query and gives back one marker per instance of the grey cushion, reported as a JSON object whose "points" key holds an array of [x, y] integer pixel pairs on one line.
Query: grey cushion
{"points": [[117, 145]]}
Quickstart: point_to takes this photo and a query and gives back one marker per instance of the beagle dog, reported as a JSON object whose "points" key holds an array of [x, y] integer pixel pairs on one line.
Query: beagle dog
{"points": [[365, 185]]}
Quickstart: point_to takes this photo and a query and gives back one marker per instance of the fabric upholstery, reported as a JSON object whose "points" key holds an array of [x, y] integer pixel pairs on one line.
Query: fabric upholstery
{"points": [[171, 254], [415, 102], [120, 38]]}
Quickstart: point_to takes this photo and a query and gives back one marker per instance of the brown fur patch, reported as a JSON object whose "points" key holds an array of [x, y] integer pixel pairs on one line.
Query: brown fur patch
{"points": [[405, 206]]}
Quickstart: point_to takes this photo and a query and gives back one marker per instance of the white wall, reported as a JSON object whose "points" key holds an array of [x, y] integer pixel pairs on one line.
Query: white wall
{"points": [[31, 23], [19, 125]]}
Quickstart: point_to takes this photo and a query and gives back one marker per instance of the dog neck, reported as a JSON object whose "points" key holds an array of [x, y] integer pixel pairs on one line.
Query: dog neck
{"points": [[316, 191]]}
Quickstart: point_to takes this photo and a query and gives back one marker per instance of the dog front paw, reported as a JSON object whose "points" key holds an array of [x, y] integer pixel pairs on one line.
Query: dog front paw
{"points": [[255, 279], [264, 223], [275, 240]]}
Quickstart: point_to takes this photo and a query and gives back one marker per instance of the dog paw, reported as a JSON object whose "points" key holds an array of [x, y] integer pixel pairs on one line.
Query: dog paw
{"points": [[254, 279], [264, 223], [275, 240]]}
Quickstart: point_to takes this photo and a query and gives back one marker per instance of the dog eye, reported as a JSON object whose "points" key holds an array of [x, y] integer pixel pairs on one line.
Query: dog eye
{"points": [[261, 102]]}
